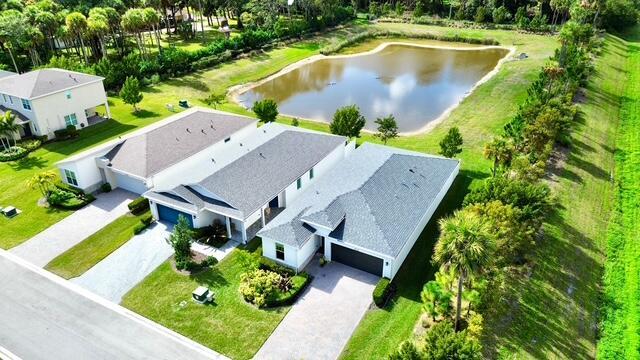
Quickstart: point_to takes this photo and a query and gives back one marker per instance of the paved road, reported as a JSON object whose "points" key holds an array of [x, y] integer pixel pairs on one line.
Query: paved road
{"points": [[123, 269], [60, 237], [323, 319], [45, 317]]}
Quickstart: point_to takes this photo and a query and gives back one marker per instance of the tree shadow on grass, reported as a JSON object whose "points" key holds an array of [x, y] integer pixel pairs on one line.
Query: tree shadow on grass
{"points": [[28, 163]]}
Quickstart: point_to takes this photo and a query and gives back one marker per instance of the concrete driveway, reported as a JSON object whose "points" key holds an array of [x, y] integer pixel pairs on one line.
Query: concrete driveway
{"points": [[46, 317], [60, 237], [323, 319], [123, 269]]}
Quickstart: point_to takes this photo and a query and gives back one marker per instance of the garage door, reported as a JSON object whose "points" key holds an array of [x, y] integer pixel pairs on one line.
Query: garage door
{"points": [[356, 259], [171, 215], [131, 184]]}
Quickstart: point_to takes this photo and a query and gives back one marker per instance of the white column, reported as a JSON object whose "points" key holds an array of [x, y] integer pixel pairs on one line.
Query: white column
{"points": [[228, 223], [244, 232], [106, 107], [262, 216]]}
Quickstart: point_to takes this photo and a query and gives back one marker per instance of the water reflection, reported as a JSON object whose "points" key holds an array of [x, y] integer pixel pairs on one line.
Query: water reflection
{"points": [[414, 84]]}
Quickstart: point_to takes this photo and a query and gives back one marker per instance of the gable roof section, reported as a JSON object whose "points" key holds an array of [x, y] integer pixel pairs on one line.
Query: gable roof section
{"points": [[43, 82], [374, 199], [151, 152], [258, 176]]}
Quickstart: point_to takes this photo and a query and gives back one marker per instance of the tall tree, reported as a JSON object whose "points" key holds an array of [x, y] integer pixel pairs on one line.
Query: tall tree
{"points": [[347, 121], [501, 151], [266, 110], [181, 239], [77, 25], [43, 182], [12, 30], [152, 20], [98, 25], [387, 128], [465, 246], [130, 92], [451, 144], [133, 22]]}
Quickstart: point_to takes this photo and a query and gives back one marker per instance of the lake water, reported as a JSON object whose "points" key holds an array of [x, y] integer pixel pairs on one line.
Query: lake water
{"points": [[415, 84]]}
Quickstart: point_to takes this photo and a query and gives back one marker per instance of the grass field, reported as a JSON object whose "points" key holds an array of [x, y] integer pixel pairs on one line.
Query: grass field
{"points": [[621, 305], [230, 325], [553, 309], [83, 256]]}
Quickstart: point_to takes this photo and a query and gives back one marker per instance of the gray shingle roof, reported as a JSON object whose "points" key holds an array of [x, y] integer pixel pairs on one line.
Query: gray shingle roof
{"points": [[257, 177], [374, 199], [42, 82], [156, 150]]}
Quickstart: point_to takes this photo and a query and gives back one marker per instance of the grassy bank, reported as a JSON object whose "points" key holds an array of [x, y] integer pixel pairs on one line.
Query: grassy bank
{"points": [[552, 310], [229, 325], [621, 300], [83, 256]]}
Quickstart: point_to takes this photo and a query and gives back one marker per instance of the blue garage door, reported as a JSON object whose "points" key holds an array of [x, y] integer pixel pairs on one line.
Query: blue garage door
{"points": [[171, 215]]}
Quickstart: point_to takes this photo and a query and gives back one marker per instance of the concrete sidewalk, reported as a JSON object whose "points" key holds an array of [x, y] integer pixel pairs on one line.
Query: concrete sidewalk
{"points": [[60, 237], [46, 317]]}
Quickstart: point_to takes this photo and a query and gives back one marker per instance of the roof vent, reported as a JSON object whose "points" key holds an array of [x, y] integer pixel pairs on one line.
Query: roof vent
{"points": [[214, 129], [202, 130], [189, 131], [178, 140], [213, 160], [416, 185], [240, 144], [264, 131], [412, 171], [262, 156], [405, 185]]}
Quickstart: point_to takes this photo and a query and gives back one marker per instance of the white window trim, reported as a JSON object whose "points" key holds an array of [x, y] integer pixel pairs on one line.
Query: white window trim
{"points": [[26, 102], [70, 175], [75, 118]]}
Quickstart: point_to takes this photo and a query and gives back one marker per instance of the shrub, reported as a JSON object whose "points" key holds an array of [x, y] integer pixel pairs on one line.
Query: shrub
{"points": [[30, 145], [210, 261], [383, 290], [14, 153], [68, 200], [442, 342], [66, 187], [266, 110], [140, 227], [147, 219], [258, 285], [347, 121], [66, 133], [268, 264], [139, 205], [282, 298], [105, 188], [501, 15]]}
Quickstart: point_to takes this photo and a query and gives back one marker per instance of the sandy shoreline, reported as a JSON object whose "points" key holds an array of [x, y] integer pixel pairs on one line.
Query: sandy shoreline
{"points": [[235, 91]]}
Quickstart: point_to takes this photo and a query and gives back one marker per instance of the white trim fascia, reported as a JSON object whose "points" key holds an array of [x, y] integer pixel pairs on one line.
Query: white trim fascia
{"points": [[360, 249], [173, 206], [137, 177]]}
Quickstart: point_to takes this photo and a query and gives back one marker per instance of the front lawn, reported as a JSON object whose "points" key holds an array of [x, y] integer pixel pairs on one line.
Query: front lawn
{"points": [[230, 326], [83, 256]]}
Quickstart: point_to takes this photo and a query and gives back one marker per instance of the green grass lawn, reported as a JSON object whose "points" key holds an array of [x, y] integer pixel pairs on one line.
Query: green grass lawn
{"points": [[83, 256], [230, 326], [621, 305], [553, 310]]}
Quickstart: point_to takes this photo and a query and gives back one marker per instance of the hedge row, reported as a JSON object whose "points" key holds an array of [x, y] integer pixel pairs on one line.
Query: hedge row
{"points": [[139, 205]]}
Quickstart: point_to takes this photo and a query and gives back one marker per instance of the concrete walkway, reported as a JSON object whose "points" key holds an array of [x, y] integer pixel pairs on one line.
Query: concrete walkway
{"points": [[323, 319], [123, 269], [46, 317], [60, 237], [209, 250]]}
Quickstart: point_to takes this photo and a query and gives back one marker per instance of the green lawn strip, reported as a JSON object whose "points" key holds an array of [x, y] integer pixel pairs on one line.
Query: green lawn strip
{"points": [[230, 325], [552, 311], [80, 258], [621, 305]]}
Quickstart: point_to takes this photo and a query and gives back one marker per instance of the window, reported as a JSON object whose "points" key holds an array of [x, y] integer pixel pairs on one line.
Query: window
{"points": [[11, 99], [279, 251], [227, 139], [311, 174], [68, 94], [71, 177], [299, 183], [4, 98], [26, 104], [71, 119]]}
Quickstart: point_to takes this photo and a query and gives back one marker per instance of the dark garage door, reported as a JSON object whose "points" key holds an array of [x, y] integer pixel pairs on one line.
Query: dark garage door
{"points": [[171, 215], [356, 259]]}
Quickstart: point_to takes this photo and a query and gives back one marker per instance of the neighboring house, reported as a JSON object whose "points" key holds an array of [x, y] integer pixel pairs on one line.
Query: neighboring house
{"points": [[267, 174], [51, 99], [366, 212], [162, 155]]}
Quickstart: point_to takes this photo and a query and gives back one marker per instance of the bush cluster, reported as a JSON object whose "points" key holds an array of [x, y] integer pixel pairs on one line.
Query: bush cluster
{"points": [[139, 205], [66, 197], [144, 223], [272, 285], [13, 153], [67, 133]]}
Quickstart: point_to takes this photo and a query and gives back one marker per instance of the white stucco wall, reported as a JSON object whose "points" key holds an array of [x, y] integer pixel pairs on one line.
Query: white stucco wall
{"points": [[206, 218], [87, 173], [50, 110], [290, 253]]}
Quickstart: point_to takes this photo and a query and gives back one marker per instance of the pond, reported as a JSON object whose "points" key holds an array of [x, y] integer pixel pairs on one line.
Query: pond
{"points": [[416, 84]]}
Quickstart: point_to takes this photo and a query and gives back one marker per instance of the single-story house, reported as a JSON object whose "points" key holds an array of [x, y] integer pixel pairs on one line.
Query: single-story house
{"points": [[251, 189], [162, 155], [51, 99], [366, 212]]}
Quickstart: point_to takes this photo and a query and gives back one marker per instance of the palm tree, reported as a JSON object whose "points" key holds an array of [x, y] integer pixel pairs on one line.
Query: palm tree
{"points": [[152, 19], [501, 151], [465, 246], [98, 25], [77, 25], [133, 21], [8, 127], [43, 182]]}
